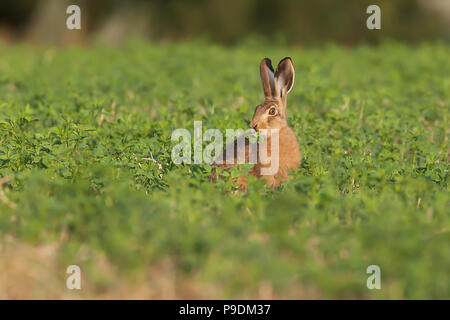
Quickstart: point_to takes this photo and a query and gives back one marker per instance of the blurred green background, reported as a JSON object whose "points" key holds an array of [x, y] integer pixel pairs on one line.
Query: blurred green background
{"points": [[227, 22]]}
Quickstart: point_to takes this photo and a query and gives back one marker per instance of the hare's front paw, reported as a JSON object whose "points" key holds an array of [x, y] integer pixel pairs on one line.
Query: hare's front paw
{"points": [[242, 183]]}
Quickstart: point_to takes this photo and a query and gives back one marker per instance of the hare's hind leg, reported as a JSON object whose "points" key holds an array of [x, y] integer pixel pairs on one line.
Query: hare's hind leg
{"points": [[275, 180]]}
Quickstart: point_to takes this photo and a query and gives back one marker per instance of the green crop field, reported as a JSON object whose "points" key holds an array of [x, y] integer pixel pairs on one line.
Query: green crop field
{"points": [[87, 176]]}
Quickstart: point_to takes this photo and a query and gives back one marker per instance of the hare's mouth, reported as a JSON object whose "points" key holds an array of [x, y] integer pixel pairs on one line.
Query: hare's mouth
{"points": [[253, 125]]}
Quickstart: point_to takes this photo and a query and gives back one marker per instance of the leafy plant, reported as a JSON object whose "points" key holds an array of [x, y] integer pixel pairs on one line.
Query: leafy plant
{"points": [[85, 139]]}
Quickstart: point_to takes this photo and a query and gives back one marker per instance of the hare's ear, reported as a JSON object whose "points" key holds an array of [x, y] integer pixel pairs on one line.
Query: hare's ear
{"points": [[267, 77], [284, 77]]}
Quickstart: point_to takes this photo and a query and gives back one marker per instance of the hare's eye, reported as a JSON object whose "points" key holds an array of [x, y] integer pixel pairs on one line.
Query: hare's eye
{"points": [[272, 111]]}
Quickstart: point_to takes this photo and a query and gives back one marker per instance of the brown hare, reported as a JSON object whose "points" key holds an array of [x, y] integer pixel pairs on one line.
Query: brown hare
{"points": [[270, 117]]}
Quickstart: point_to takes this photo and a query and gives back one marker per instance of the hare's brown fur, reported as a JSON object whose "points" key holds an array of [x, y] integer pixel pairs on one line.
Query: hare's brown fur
{"points": [[271, 114]]}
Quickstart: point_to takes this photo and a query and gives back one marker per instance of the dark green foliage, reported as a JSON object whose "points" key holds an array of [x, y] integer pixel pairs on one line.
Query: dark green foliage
{"points": [[85, 136]]}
